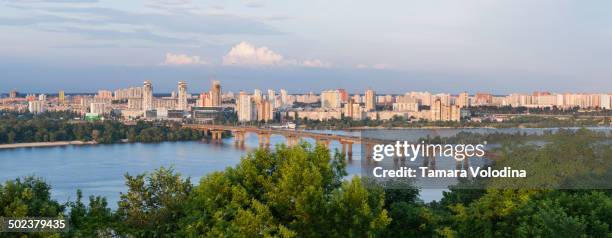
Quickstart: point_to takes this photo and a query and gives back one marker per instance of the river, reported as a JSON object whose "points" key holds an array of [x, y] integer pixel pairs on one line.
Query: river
{"points": [[100, 169]]}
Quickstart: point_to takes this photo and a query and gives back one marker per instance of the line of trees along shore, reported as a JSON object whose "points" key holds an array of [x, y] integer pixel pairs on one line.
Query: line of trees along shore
{"points": [[527, 121], [302, 192], [57, 126]]}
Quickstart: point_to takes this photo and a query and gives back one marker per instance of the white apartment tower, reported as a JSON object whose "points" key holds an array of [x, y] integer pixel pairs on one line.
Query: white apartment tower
{"points": [[182, 96], [245, 107], [36, 106], [370, 100], [272, 98], [147, 96], [284, 97]]}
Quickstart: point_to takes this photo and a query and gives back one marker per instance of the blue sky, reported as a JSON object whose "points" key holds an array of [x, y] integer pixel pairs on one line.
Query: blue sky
{"points": [[391, 46]]}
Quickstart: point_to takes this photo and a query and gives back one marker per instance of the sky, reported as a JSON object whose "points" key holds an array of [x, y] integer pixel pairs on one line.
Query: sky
{"points": [[391, 46]]}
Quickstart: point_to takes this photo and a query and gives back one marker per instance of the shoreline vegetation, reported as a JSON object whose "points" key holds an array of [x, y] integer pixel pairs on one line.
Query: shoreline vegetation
{"points": [[58, 129], [523, 121], [45, 144], [301, 191]]}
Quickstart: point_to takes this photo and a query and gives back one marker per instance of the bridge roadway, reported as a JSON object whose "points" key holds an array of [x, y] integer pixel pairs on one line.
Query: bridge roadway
{"points": [[293, 137]]}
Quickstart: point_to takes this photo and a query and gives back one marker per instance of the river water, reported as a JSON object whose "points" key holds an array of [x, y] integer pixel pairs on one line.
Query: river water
{"points": [[100, 169]]}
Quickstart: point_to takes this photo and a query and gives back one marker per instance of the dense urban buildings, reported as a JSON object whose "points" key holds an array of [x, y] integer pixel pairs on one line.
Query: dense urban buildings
{"points": [[136, 103]]}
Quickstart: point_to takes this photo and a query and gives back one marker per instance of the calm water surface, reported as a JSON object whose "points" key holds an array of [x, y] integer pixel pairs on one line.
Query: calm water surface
{"points": [[100, 169]]}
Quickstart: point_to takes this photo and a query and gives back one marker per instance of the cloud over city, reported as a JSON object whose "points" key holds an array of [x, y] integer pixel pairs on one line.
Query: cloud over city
{"points": [[247, 54], [182, 59], [379, 66]]}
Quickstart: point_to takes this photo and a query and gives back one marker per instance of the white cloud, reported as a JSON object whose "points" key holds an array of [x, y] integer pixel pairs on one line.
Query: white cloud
{"points": [[182, 59], [315, 63], [380, 66], [247, 54]]}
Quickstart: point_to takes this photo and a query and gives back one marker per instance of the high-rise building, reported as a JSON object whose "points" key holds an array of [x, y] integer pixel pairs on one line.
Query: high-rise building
{"points": [[343, 95], [423, 98], [483, 99], [353, 110], [126, 93], [99, 108], [441, 112], [370, 100], [284, 98], [182, 96], [264, 110], [42, 97], [257, 94], [204, 100], [135, 103], [215, 94], [36, 106], [605, 101], [330, 99], [244, 107], [463, 100], [104, 94], [13, 94], [444, 97], [272, 98], [147, 96], [406, 103], [436, 110], [61, 97]]}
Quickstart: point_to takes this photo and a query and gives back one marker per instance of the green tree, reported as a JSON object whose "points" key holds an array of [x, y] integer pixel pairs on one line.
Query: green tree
{"points": [[153, 204], [297, 191], [92, 220], [28, 197]]}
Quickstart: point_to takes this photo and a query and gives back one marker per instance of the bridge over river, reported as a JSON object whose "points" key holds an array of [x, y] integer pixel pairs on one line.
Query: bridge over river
{"points": [[293, 137]]}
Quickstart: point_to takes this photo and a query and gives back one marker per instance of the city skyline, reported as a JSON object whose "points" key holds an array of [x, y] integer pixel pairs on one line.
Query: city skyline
{"points": [[137, 103], [494, 46]]}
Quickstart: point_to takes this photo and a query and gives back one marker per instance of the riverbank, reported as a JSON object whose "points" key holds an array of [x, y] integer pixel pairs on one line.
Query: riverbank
{"points": [[415, 127], [45, 144]]}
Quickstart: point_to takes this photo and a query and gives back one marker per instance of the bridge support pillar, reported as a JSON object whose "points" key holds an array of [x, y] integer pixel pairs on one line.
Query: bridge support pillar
{"points": [[264, 140], [349, 154], [463, 164], [347, 149], [367, 151], [239, 137], [216, 135], [292, 140]]}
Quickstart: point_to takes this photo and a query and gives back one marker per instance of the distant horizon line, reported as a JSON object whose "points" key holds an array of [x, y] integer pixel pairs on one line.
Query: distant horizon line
{"points": [[2, 94]]}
